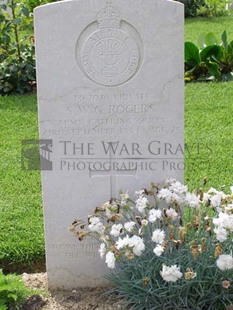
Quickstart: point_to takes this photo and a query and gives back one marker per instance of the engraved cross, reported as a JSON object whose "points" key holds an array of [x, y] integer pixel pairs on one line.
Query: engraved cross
{"points": [[113, 174]]}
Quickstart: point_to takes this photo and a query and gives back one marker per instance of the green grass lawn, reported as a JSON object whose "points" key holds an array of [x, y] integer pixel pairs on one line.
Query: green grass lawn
{"points": [[194, 27], [21, 227], [208, 123], [208, 134]]}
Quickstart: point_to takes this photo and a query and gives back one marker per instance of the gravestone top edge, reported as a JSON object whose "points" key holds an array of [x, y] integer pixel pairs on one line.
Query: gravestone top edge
{"points": [[64, 2]]}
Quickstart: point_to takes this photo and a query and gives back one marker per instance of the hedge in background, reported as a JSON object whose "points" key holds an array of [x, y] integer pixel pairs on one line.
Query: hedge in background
{"points": [[192, 6], [17, 55]]}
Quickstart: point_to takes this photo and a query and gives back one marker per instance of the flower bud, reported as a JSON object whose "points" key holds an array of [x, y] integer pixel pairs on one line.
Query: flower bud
{"points": [[218, 250], [189, 274]]}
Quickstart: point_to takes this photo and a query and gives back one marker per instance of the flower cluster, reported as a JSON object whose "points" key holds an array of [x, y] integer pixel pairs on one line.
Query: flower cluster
{"points": [[163, 220]]}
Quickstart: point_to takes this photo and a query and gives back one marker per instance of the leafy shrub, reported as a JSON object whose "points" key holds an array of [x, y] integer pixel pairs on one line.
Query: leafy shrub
{"points": [[192, 6], [13, 292], [17, 60], [213, 8], [31, 4], [160, 258], [213, 61]]}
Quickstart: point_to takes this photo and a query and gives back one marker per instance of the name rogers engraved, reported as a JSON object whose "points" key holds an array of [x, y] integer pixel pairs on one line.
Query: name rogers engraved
{"points": [[109, 55]]}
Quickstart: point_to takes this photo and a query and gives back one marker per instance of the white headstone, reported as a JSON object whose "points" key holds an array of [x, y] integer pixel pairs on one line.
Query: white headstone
{"points": [[110, 93]]}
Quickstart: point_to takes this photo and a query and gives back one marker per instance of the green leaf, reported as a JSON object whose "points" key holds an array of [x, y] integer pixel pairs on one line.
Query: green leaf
{"points": [[224, 39], [201, 41], [192, 56], [25, 11], [210, 39], [16, 21], [211, 50], [230, 49], [3, 6], [213, 69]]}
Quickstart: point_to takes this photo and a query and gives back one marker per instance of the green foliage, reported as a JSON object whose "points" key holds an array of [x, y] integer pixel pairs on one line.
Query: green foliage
{"points": [[213, 61], [31, 4], [213, 8], [17, 56], [192, 6], [139, 283], [13, 292], [167, 258]]}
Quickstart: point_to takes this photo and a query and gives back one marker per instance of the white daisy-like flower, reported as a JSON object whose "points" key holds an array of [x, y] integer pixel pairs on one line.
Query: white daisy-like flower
{"points": [[139, 193], [192, 200], [158, 250], [165, 194], [138, 245], [170, 274], [141, 204], [102, 250], [116, 230], [172, 213], [178, 188], [154, 215], [224, 220], [122, 243], [216, 200], [110, 260], [225, 262], [158, 236], [129, 226], [96, 225], [221, 234]]}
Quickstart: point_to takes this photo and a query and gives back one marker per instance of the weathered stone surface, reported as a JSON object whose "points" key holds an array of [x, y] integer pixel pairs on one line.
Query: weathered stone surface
{"points": [[110, 93]]}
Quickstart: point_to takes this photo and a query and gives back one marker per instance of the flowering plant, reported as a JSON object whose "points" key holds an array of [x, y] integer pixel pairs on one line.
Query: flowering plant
{"points": [[168, 248]]}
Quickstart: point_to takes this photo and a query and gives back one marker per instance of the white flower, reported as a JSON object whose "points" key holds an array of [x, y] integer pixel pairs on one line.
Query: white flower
{"points": [[224, 223], [170, 274], [231, 188], [225, 262], [154, 215], [96, 225], [124, 198], [137, 244], [172, 213], [216, 200], [221, 234], [139, 193], [178, 188], [121, 243], [116, 230], [192, 200], [158, 236], [158, 250], [110, 260], [129, 226], [141, 203], [164, 193], [206, 197], [102, 250], [144, 222], [111, 209], [224, 220]]}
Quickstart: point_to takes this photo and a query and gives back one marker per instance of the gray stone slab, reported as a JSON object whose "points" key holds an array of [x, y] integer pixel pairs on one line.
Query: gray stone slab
{"points": [[110, 95]]}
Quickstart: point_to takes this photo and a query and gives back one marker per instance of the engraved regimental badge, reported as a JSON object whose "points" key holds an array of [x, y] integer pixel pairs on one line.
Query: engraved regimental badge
{"points": [[109, 51]]}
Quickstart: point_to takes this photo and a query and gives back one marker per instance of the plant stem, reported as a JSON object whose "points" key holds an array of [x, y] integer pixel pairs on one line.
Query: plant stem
{"points": [[15, 29]]}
